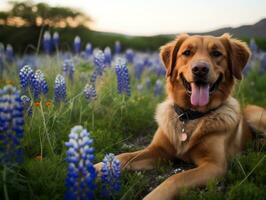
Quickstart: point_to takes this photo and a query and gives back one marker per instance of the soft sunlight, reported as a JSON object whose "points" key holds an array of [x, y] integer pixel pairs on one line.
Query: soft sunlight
{"points": [[153, 17]]}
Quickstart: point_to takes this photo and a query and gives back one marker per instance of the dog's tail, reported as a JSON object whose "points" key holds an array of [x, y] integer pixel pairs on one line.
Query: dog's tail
{"points": [[256, 117]]}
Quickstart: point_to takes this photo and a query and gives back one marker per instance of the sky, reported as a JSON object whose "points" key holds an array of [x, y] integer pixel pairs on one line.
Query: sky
{"points": [[151, 17]]}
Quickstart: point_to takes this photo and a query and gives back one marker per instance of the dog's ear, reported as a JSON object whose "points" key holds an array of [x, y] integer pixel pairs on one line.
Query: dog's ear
{"points": [[238, 55], [169, 51]]}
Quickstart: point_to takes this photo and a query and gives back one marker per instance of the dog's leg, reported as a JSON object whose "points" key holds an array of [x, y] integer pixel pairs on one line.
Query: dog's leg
{"points": [[160, 149], [211, 162], [191, 178]]}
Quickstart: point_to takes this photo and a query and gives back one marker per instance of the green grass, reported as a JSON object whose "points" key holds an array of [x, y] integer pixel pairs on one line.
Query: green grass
{"points": [[115, 123]]}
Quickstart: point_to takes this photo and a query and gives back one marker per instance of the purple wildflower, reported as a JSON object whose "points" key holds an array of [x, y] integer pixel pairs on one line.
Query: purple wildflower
{"points": [[123, 83], [107, 56], [117, 47], [81, 173], [47, 42], [60, 89], [130, 55], [77, 45], [39, 83], [56, 39], [111, 172], [88, 49], [26, 103], [26, 77], [90, 92], [9, 53], [158, 88], [11, 125]]}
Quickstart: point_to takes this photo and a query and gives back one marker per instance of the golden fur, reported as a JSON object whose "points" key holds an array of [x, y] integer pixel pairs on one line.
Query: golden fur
{"points": [[213, 138]]}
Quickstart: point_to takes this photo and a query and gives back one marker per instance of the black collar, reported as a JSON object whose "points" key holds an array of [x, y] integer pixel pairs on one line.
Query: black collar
{"points": [[185, 115]]}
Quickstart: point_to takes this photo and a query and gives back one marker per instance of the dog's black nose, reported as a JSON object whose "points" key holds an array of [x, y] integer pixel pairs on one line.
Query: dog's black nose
{"points": [[200, 69]]}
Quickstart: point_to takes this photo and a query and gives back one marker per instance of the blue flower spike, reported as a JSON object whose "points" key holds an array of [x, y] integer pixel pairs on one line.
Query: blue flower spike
{"points": [[40, 85], [77, 45], [9, 53], [69, 69], [123, 82], [111, 172], [47, 42], [11, 126], [90, 92], [26, 76], [107, 56], [81, 173], [88, 49], [60, 89], [27, 104], [56, 39], [118, 47]]}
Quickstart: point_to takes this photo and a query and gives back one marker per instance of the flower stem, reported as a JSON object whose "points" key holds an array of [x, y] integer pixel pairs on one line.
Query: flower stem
{"points": [[92, 116], [45, 127], [5, 186]]}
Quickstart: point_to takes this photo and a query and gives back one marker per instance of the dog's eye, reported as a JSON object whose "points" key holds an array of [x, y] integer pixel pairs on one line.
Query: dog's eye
{"points": [[187, 53], [216, 53]]}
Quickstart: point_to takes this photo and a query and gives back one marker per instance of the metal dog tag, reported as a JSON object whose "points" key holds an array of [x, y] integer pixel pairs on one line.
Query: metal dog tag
{"points": [[183, 137]]}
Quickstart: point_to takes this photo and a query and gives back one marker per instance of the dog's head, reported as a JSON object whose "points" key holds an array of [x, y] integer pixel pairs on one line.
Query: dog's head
{"points": [[201, 69]]}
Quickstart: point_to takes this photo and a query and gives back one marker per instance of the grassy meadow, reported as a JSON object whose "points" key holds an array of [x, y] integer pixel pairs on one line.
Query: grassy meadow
{"points": [[117, 123]]}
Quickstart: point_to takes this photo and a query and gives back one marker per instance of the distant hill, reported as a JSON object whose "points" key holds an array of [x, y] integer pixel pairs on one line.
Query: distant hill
{"points": [[257, 30], [25, 39]]}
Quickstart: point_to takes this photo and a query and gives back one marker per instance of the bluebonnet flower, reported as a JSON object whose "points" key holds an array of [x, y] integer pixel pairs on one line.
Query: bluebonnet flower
{"points": [[148, 83], [90, 92], [253, 46], [9, 53], [56, 40], [93, 77], [47, 42], [98, 59], [26, 77], [247, 68], [159, 70], [77, 45], [88, 49], [263, 63], [26, 103], [81, 173], [147, 62], [117, 47], [123, 84], [130, 55], [111, 171], [158, 88], [60, 88], [138, 68], [107, 56], [39, 84], [11, 125], [69, 69]]}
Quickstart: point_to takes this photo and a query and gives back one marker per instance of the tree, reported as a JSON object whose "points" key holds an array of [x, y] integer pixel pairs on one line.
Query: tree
{"points": [[29, 14]]}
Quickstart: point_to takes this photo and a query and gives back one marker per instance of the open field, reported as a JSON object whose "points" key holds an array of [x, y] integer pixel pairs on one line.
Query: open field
{"points": [[116, 123]]}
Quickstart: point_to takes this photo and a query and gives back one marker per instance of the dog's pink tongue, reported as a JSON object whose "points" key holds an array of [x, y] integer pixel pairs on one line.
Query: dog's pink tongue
{"points": [[199, 95]]}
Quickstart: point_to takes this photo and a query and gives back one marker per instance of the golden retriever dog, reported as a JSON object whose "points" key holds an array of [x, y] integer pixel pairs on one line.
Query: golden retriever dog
{"points": [[199, 122]]}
